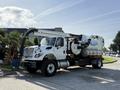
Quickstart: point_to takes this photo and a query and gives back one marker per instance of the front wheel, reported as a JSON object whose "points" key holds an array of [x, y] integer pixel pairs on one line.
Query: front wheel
{"points": [[98, 64], [49, 68]]}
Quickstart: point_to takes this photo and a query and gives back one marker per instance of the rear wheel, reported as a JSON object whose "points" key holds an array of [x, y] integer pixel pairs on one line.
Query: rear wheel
{"points": [[49, 68], [98, 64]]}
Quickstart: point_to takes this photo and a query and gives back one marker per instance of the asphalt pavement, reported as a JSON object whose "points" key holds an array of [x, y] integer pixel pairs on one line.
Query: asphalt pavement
{"points": [[75, 78]]}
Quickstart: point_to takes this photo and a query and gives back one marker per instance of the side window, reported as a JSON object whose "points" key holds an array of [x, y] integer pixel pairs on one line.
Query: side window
{"points": [[60, 42]]}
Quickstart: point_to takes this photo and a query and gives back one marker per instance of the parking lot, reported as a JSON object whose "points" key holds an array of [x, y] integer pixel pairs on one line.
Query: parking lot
{"points": [[75, 78]]}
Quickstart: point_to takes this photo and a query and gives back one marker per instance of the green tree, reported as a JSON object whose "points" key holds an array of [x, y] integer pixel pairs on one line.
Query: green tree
{"points": [[113, 47], [14, 39], [28, 42], [12, 42], [116, 43], [35, 41], [2, 32], [105, 49], [3, 42]]}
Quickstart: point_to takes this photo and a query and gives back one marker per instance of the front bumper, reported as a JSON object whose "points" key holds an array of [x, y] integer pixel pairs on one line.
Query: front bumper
{"points": [[32, 64]]}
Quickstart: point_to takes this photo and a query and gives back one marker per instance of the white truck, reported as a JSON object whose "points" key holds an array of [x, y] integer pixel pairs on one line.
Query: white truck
{"points": [[57, 50]]}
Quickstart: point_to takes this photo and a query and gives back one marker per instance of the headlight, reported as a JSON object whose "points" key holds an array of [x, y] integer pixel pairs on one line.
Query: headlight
{"points": [[38, 55]]}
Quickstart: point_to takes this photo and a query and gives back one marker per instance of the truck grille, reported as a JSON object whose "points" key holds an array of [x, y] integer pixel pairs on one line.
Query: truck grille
{"points": [[28, 52]]}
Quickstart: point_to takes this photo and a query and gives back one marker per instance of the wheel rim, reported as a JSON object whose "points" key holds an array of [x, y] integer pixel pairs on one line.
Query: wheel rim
{"points": [[99, 63], [51, 68]]}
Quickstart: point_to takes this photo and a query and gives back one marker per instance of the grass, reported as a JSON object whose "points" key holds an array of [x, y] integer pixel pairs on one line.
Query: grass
{"points": [[108, 59], [6, 67]]}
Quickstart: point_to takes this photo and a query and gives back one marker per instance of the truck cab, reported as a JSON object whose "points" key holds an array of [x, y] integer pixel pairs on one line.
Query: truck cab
{"points": [[48, 45]]}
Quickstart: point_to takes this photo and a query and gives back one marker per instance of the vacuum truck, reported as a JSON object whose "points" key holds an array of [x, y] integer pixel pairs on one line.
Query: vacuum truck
{"points": [[57, 49]]}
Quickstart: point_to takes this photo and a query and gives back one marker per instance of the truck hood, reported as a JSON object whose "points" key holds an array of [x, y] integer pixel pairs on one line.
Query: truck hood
{"points": [[42, 48], [33, 50]]}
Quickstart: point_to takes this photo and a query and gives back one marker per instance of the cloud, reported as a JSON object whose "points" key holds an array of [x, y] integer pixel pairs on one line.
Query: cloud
{"points": [[16, 17], [59, 8], [98, 16]]}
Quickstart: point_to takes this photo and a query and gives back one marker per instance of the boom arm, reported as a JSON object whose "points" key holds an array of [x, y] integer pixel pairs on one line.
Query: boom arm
{"points": [[51, 33]]}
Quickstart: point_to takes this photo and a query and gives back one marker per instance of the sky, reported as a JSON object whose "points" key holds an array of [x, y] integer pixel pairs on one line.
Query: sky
{"points": [[98, 17]]}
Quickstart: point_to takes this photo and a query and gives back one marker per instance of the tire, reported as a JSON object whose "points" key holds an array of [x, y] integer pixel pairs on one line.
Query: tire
{"points": [[98, 64], [48, 68]]}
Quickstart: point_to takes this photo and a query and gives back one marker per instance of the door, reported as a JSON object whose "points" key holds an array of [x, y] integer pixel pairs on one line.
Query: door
{"points": [[60, 48]]}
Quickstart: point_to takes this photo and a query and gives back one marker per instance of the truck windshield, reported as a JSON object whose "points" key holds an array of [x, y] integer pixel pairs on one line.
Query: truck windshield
{"points": [[48, 41]]}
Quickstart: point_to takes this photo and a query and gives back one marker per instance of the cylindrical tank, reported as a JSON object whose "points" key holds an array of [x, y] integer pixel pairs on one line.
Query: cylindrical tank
{"points": [[92, 45], [63, 63], [96, 43], [95, 46]]}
